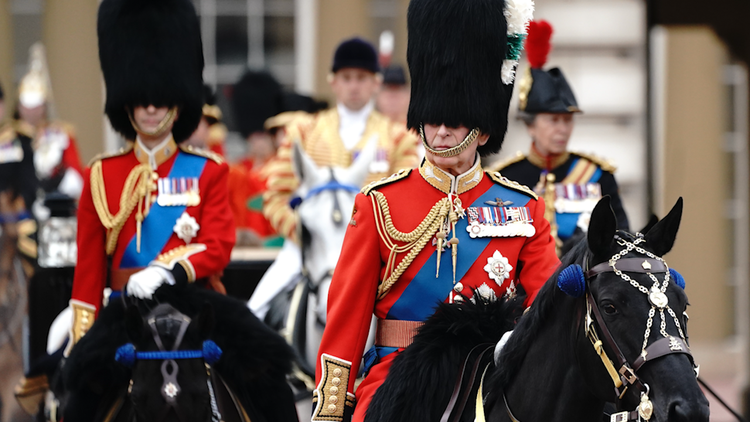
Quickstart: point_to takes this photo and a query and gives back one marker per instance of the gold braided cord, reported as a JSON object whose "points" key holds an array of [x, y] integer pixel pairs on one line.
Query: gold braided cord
{"points": [[450, 152], [137, 187], [415, 240]]}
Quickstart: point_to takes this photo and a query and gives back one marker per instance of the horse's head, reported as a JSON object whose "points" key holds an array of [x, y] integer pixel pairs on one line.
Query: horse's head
{"points": [[170, 360], [327, 201], [635, 313]]}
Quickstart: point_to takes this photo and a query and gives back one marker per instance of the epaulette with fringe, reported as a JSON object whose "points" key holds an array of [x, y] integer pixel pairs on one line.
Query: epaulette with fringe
{"points": [[501, 164], [498, 178], [386, 180], [24, 128], [7, 134], [122, 151], [218, 159], [603, 163]]}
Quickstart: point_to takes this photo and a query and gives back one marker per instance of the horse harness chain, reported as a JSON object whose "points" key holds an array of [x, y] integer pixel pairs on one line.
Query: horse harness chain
{"points": [[171, 389], [625, 376]]}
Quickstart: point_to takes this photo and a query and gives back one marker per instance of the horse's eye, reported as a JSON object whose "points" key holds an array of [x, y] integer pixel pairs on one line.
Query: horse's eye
{"points": [[687, 317], [609, 309]]}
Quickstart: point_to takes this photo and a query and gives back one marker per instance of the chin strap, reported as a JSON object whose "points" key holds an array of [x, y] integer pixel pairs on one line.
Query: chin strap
{"points": [[450, 152], [164, 126]]}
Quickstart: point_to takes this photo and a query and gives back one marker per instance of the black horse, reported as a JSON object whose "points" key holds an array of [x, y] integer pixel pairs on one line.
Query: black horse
{"points": [[160, 367], [612, 302]]}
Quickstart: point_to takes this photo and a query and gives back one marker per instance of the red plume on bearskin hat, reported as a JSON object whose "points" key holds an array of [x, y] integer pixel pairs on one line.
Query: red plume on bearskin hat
{"points": [[151, 53], [462, 56]]}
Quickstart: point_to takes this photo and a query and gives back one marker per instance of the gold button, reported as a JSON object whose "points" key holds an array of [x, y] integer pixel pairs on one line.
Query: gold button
{"points": [[333, 399], [337, 372], [336, 381], [331, 408], [334, 390]]}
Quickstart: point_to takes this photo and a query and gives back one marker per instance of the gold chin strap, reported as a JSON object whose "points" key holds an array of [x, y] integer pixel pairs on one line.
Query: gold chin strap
{"points": [[450, 152], [164, 126]]}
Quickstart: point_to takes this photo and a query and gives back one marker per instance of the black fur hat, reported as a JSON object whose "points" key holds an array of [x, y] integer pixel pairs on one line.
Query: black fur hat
{"points": [[455, 52], [355, 52], [151, 53], [256, 97]]}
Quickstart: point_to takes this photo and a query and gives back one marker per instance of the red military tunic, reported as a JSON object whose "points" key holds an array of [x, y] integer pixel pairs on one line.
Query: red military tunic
{"points": [[188, 227], [503, 241]]}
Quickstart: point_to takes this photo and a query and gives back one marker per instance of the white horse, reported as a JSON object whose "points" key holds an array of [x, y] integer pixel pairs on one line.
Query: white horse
{"points": [[296, 286]]}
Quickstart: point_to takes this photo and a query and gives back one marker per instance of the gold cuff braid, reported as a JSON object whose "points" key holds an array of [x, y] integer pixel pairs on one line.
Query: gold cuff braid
{"points": [[138, 186], [331, 397], [83, 319]]}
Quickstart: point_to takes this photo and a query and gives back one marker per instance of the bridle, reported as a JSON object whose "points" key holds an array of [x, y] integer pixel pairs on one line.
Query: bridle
{"points": [[624, 373], [170, 389]]}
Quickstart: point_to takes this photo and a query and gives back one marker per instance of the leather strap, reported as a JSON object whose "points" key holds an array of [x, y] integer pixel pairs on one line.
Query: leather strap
{"points": [[629, 265], [461, 391], [396, 333], [662, 347]]}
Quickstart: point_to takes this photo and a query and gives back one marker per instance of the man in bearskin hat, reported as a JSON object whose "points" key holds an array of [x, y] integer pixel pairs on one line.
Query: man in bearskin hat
{"points": [[332, 137], [447, 231], [157, 210], [571, 182]]}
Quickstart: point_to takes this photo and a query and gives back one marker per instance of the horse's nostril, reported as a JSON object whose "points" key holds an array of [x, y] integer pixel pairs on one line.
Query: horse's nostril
{"points": [[688, 411]]}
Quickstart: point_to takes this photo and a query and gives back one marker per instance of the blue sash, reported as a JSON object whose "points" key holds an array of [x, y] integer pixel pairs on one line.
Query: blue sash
{"points": [[424, 292], [158, 225]]}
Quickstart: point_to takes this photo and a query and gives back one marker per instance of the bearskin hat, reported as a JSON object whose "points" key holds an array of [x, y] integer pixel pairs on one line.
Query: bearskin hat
{"points": [[544, 91], [462, 56], [151, 54], [256, 97]]}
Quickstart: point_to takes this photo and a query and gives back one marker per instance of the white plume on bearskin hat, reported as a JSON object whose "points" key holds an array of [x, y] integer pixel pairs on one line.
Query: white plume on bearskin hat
{"points": [[151, 53], [462, 56]]}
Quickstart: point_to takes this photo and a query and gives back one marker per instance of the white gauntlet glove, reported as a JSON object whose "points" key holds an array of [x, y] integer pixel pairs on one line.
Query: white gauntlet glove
{"points": [[59, 330], [144, 283]]}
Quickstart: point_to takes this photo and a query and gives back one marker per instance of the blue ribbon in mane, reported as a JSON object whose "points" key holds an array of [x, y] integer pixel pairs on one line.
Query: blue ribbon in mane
{"points": [[127, 355], [332, 185], [158, 225]]}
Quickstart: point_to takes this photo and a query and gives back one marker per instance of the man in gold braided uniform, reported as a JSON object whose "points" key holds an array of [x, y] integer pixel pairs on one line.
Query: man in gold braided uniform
{"points": [[332, 137]]}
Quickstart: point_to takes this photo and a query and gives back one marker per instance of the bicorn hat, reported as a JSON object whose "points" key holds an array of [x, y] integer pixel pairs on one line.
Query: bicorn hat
{"points": [[462, 56], [151, 54], [543, 91]]}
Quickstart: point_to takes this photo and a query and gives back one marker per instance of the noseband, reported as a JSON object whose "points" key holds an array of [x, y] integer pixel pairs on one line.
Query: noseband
{"points": [[625, 375], [170, 388]]}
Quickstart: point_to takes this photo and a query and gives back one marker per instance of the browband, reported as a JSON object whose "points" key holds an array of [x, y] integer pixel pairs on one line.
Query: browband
{"points": [[629, 265]]}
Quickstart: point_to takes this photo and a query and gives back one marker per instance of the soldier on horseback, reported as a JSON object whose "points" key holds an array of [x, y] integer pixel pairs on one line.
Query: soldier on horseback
{"points": [[447, 231], [154, 212]]}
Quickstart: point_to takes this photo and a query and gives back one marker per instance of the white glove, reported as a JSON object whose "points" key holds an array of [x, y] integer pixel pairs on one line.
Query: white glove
{"points": [[144, 283], [59, 330]]}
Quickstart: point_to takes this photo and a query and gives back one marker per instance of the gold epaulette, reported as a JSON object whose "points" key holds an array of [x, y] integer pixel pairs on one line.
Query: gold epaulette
{"points": [[7, 134], [603, 163], [24, 128], [218, 159], [500, 179], [122, 151], [401, 174], [386, 180], [501, 164]]}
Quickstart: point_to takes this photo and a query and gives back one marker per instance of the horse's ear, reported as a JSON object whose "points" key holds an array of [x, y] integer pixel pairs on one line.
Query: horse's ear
{"points": [[602, 227], [360, 168], [661, 237], [133, 323], [204, 322], [304, 167], [650, 224]]}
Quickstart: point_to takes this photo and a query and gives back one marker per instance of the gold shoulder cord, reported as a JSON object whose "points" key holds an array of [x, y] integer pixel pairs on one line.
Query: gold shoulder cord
{"points": [[137, 187], [415, 240]]}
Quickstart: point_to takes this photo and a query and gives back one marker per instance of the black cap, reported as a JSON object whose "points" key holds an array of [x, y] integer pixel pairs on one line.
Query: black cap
{"points": [[356, 53], [151, 54], [394, 75]]}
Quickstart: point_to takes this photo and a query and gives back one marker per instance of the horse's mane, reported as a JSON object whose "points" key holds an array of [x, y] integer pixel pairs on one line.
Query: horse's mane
{"points": [[528, 328], [436, 355], [252, 353]]}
